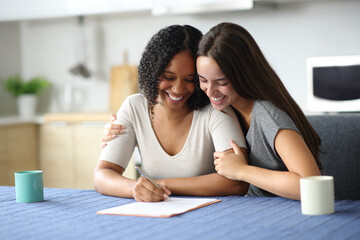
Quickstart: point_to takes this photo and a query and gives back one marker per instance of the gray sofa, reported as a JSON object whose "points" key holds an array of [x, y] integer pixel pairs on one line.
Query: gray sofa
{"points": [[340, 136]]}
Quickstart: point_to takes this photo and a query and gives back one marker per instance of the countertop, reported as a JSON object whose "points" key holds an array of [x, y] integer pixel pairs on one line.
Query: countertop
{"points": [[76, 117], [13, 120]]}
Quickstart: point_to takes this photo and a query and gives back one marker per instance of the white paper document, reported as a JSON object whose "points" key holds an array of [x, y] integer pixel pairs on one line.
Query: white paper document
{"points": [[168, 208]]}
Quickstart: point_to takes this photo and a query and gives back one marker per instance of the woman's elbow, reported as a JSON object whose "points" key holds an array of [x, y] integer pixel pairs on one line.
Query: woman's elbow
{"points": [[96, 182], [237, 188], [242, 188]]}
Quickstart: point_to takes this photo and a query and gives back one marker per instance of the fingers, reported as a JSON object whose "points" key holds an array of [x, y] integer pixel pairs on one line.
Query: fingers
{"points": [[107, 126], [145, 191], [167, 191], [112, 117], [112, 130], [107, 138], [218, 168], [218, 154], [236, 147], [217, 163], [115, 132], [218, 159], [113, 127]]}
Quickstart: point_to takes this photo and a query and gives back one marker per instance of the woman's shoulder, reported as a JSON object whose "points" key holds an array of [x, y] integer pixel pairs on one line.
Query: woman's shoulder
{"points": [[134, 103], [264, 107], [209, 115], [266, 111], [208, 110], [135, 100]]}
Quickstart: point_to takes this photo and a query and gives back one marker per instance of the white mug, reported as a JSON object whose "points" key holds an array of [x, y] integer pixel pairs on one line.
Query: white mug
{"points": [[317, 195]]}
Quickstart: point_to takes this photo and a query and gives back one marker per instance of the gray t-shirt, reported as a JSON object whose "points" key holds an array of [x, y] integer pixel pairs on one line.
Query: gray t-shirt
{"points": [[210, 131], [266, 121]]}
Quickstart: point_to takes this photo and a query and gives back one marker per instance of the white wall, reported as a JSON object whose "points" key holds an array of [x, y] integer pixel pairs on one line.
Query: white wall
{"points": [[10, 62], [287, 34]]}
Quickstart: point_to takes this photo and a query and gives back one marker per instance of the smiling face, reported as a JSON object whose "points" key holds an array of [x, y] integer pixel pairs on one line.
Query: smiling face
{"points": [[177, 82], [215, 84]]}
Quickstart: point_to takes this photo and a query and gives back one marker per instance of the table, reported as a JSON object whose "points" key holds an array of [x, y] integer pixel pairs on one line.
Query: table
{"points": [[71, 214]]}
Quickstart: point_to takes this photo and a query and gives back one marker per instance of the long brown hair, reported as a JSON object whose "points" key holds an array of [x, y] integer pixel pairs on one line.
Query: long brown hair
{"points": [[241, 60]]}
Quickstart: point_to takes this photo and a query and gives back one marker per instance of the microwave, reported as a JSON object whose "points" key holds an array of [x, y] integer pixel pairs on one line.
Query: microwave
{"points": [[333, 84]]}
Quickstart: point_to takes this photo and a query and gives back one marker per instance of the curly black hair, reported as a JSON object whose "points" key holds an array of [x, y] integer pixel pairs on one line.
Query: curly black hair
{"points": [[158, 53]]}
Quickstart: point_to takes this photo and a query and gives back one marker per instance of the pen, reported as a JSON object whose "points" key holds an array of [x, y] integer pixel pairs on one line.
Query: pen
{"points": [[141, 171]]}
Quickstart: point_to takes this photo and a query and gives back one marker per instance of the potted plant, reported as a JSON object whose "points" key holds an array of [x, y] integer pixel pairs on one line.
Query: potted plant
{"points": [[26, 92]]}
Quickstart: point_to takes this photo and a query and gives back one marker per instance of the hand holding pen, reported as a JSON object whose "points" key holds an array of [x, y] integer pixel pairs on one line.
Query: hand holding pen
{"points": [[147, 190]]}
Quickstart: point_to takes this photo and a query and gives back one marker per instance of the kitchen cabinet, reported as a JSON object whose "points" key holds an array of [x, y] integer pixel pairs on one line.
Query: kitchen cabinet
{"points": [[88, 147], [18, 150], [70, 148], [56, 155]]}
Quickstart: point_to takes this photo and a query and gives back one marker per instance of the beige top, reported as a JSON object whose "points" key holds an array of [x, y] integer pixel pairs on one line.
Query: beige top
{"points": [[210, 131]]}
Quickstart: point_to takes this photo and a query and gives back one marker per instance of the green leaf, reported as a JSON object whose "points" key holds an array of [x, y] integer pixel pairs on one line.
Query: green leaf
{"points": [[14, 85], [36, 85], [17, 86]]}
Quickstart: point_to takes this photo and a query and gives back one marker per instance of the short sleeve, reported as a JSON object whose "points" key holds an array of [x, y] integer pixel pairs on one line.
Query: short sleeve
{"points": [[269, 120], [120, 149], [223, 126]]}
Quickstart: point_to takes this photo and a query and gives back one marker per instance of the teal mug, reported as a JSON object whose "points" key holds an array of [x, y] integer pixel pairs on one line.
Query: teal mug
{"points": [[29, 186]]}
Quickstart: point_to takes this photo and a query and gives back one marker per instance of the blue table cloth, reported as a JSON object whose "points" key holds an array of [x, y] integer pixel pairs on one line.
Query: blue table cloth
{"points": [[71, 214]]}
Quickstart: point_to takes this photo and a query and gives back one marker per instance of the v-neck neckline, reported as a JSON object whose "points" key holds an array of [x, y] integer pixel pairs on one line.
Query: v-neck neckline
{"points": [[158, 142]]}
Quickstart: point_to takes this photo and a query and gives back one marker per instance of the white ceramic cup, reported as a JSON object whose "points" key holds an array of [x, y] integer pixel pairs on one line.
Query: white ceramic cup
{"points": [[317, 195]]}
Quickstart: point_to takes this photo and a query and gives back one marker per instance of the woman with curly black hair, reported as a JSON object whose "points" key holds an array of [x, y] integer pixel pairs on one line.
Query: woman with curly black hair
{"points": [[173, 126], [157, 55]]}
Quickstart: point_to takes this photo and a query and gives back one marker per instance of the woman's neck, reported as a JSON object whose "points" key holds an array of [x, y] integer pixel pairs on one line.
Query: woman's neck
{"points": [[244, 107], [170, 115]]}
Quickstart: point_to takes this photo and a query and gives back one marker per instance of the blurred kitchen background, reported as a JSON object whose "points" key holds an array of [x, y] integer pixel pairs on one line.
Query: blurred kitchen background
{"points": [[51, 37]]}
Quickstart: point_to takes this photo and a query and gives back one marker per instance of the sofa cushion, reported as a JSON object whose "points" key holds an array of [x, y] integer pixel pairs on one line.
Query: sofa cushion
{"points": [[340, 136]]}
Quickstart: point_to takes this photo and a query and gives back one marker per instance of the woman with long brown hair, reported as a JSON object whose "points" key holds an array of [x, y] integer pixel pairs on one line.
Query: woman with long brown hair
{"points": [[282, 145]]}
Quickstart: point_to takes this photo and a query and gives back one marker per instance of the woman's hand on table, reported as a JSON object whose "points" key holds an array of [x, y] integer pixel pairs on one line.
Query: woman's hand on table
{"points": [[146, 191], [112, 130]]}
